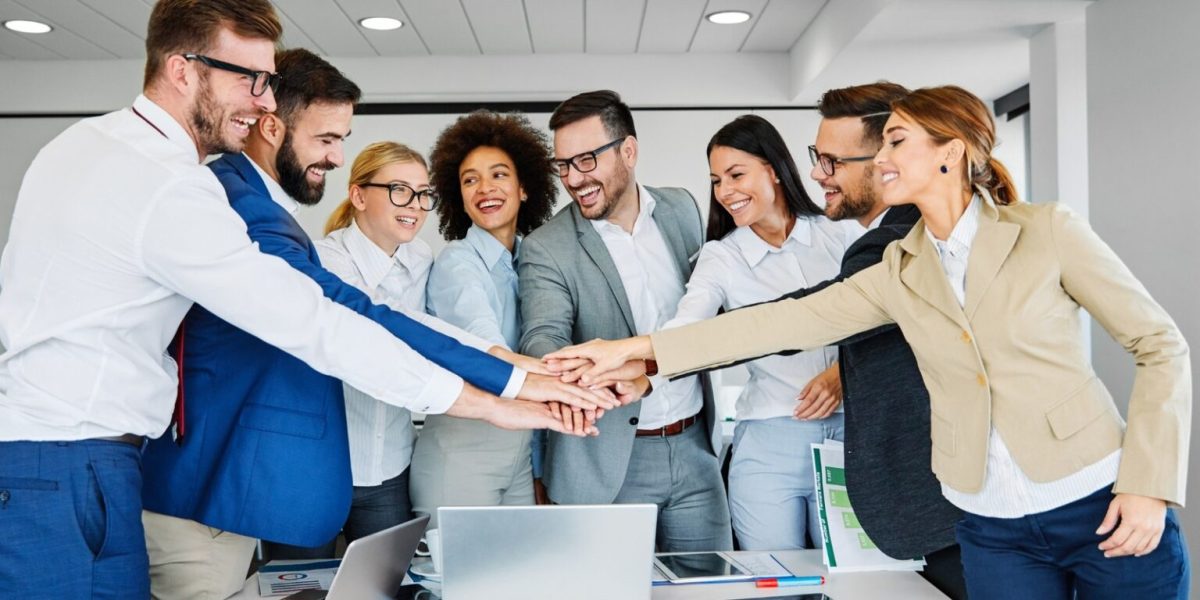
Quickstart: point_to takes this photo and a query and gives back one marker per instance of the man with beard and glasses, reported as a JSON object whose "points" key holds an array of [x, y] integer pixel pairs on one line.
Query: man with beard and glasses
{"points": [[256, 416], [610, 265], [117, 230]]}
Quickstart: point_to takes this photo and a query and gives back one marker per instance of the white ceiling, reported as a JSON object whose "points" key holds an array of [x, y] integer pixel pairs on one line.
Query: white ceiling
{"points": [[555, 46]]}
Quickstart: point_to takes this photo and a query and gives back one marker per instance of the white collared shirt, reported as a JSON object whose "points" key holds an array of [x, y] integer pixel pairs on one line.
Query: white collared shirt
{"points": [[382, 435], [653, 286], [1007, 493], [855, 230], [117, 230], [742, 269]]}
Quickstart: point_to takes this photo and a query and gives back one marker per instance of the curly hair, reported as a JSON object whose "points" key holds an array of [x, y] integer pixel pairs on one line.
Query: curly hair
{"points": [[529, 150]]}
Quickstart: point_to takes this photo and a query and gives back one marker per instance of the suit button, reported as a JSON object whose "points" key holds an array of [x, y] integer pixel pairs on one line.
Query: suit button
{"points": [[633, 420], [981, 379], [966, 337]]}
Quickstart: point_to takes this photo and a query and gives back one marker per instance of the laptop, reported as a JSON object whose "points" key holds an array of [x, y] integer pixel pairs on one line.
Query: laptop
{"points": [[547, 552], [373, 567]]}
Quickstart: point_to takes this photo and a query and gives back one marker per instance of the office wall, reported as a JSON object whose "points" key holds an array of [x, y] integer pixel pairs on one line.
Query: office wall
{"points": [[1143, 85]]}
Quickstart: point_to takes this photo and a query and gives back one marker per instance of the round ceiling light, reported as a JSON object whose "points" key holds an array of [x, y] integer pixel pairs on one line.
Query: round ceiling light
{"points": [[381, 23], [22, 26], [729, 17]]}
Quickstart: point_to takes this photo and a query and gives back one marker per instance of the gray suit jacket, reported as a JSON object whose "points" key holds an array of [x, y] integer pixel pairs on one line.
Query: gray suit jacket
{"points": [[570, 293]]}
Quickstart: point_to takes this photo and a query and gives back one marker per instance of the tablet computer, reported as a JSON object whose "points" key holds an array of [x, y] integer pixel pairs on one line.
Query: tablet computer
{"points": [[696, 567]]}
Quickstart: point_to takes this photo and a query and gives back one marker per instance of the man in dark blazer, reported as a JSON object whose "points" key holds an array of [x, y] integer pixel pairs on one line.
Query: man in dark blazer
{"points": [[259, 448], [895, 494]]}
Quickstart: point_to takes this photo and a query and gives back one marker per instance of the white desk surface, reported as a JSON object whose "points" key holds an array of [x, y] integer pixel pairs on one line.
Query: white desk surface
{"points": [[839, 586]]}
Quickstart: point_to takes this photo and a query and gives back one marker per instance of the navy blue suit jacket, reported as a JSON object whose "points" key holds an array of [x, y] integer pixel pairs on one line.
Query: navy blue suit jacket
{"points": [[265, 452]]}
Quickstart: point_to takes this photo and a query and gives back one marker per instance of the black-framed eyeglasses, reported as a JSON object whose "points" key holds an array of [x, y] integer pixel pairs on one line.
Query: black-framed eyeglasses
{"points": [[584, 162], [401, 195], [829, 163], [260, 80]]}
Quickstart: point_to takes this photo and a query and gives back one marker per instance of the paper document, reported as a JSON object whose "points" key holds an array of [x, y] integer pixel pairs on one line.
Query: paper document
{"points": [[847, 546], [282, 577]]}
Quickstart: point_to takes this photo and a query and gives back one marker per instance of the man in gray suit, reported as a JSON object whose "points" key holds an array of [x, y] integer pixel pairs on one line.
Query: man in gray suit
{"points": [[611, 265]]}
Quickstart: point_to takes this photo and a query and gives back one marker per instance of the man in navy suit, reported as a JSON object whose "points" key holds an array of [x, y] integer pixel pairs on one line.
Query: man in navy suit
{"points": [[259, 448]]}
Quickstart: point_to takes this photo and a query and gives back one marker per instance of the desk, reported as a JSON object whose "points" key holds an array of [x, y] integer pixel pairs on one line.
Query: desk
{"points": [[839, 586]]}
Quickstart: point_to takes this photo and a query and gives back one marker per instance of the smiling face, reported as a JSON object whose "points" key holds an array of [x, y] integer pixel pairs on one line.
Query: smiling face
{"points": [[312, 146], [223, 109], [850, 192], [744, 185], [909, 161], [381, 221], [601, 191], [491, 191]]}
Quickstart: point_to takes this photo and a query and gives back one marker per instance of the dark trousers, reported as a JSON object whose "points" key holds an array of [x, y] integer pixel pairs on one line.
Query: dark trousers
{"points": [[1055, 554], [71, 521], [944, 569], [373, 509]]}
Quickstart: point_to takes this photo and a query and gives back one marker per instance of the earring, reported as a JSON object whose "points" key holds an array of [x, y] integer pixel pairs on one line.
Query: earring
{"points": [[943, 169], [776, 180]]}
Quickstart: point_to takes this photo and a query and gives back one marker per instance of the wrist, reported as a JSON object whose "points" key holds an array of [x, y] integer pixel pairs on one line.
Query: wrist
{"points": [[473, 403]]}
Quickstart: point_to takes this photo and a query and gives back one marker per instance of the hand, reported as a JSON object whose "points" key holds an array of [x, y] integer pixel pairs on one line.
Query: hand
{"points": [[576, 421], [821, 396], [629, 392], [1142, 521], [528, 363], [547, 388], [606, 355], [473, 403]]}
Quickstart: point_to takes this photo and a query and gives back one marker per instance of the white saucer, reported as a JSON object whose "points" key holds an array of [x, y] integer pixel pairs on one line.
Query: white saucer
{"points": [[424, 569]]}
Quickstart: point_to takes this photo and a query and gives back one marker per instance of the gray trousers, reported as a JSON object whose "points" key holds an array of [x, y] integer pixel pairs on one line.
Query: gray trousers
{"points": [[682, 477], [465, 462]]}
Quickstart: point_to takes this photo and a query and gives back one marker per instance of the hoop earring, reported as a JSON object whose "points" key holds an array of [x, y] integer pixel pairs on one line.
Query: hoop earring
{"points": [[943, 169]]}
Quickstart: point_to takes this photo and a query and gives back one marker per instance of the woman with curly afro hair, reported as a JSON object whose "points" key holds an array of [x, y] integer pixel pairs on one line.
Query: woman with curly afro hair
{"points": [[493, 174]]}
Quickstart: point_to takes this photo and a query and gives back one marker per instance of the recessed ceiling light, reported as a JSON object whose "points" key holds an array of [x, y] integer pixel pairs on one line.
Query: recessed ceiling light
{"points": [[381, 23], [22, 26], [729, 17]]}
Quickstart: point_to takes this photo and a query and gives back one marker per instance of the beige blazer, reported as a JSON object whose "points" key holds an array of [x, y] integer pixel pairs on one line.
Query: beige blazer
{"points": [[1011, 357]]}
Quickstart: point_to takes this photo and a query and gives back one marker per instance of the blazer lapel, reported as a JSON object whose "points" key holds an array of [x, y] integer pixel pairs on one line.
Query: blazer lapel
{"points": [[598, 252], [668, 225], [923, 274], [242, 165], [993, 243]]}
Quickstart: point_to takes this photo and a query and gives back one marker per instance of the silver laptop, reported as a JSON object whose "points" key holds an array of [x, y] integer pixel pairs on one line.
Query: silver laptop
{"points": [[374, 566], [547, 552]]}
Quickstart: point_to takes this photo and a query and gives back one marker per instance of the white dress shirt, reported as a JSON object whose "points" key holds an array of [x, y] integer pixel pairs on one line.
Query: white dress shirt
{"points": [[1007, 493], [855, 230], [654, 286], [117, 230], [742, 269], [382, 435]]}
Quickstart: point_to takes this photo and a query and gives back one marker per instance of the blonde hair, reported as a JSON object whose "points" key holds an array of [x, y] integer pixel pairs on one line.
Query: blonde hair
{"points": [[366, 165]]}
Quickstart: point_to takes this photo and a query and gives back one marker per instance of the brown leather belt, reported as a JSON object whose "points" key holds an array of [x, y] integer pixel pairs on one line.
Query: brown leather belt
{"points": [[675, 428], [128, 438]]}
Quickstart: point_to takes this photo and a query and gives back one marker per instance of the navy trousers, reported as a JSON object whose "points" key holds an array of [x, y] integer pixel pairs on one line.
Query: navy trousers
{"points": [[1055, 555], [71, 521]]}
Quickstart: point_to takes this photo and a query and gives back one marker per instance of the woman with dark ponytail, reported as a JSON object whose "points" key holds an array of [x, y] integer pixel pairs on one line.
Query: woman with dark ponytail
{"points": [[767, 238], [1062, 499]]}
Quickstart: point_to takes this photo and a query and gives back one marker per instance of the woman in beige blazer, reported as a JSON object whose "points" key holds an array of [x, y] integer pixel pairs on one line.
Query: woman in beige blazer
{"points": [[1062, 498]]}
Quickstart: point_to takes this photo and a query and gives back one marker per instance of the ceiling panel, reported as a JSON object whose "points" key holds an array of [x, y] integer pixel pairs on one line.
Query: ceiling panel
{"points": [[555, 26], [326, 24], [130, 15], [405, 41], [83, 20], [711, 37], [499, 25], [669, 25], [18, 46], [612, 26], [294, 36], [61, 41], [443, 25], [781, 24]]}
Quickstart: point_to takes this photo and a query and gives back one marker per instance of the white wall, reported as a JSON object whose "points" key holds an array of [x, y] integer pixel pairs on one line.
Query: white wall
{"points": [[1143, 85]]}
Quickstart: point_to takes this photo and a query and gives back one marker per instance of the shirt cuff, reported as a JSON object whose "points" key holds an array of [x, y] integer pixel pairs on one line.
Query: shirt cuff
{"points": [[441, 391], [516, 381]]}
